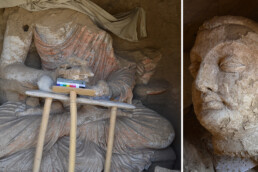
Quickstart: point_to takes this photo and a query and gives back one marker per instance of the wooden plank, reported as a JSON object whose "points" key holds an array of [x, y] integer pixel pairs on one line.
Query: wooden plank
{"points": [[105, 103], [80, 91]]}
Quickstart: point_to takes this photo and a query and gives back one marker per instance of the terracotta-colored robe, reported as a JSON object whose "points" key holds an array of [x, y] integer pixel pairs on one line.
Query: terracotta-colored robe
{"points": [[95, 47], [138, 133]]}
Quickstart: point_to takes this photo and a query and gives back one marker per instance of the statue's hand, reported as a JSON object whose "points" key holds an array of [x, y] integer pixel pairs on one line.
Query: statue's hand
{"points": [[76, 73], [75, 69], [102, 89]]}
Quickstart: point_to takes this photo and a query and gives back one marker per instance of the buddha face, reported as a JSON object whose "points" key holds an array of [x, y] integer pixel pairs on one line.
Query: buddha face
{"points": [[224, 64]]}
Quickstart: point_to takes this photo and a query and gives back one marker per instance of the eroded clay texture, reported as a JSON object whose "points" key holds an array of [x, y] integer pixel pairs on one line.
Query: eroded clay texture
{"points": [[60, 42], [224, 64]]}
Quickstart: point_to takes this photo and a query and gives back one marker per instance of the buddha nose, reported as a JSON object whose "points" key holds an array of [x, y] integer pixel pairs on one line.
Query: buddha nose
{"points": [[206, 79]]}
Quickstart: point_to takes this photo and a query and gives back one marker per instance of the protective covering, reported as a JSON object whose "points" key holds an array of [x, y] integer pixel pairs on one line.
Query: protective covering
{"points": [[123, 25]]}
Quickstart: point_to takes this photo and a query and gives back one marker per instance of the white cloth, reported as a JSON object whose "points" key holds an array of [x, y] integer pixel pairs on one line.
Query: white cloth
{"points": [[123, 25]]}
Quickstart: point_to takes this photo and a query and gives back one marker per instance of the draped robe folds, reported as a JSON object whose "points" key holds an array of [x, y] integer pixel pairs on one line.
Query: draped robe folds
{"points": [[95, 47], [138, 133]]}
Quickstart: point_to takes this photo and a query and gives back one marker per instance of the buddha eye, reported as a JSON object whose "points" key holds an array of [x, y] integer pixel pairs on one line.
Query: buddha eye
{"points": [[231, 65]]}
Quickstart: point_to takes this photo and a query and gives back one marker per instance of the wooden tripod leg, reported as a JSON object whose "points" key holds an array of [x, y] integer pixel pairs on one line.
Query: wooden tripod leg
{"points": [[72, 149], [111, 134], [42, 133]]}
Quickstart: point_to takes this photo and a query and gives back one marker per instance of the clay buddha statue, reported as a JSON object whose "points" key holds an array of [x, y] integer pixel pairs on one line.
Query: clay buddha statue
{"points": [[224, 64], [140, 133]]}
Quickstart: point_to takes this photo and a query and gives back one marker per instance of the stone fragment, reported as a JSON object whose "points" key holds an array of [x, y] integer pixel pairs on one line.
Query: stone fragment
{"points": [[32, 101]]}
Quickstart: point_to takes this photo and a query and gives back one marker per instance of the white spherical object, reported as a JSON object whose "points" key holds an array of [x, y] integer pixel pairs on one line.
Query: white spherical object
{"points": [[45, 83]]}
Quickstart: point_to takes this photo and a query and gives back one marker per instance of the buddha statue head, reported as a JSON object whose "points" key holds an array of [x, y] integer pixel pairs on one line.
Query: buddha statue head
{"points": [[224, 64]]}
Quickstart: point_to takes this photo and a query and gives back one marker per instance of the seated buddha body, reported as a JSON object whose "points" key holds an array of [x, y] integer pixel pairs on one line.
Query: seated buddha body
{"points": [[139, 133]]}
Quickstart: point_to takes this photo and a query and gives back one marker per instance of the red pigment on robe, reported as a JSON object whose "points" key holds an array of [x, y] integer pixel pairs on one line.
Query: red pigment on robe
{"points": [[85, 43]]}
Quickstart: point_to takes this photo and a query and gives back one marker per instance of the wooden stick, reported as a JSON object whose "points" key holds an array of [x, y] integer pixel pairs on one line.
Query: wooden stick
{"points": [[73, 100], [72, 150], [42, 133], [110, 138]]}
